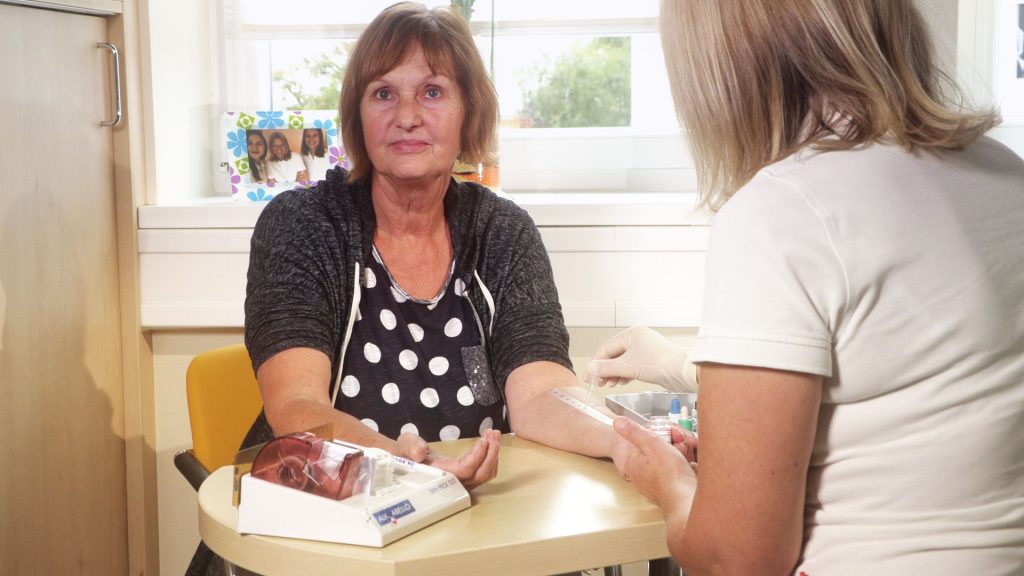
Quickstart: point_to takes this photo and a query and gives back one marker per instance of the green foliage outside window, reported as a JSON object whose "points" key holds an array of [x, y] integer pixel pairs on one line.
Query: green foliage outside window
{"points": [[328, 68], [588, 86]]}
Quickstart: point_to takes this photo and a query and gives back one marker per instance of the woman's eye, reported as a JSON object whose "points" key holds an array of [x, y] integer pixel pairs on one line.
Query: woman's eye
{"points": [[433, 92], [382, 94]]}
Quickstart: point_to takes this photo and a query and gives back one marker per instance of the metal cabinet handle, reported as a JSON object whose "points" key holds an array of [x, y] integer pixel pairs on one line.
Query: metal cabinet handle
{"points": [[117, 83]]}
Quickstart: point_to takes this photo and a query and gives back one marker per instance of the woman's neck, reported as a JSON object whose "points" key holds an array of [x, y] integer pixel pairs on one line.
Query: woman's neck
{"points": [[412, 236], [409, 212]]}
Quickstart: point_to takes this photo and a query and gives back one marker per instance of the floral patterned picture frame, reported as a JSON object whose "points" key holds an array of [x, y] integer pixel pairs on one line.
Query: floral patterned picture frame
{"points": [[298, 147]]}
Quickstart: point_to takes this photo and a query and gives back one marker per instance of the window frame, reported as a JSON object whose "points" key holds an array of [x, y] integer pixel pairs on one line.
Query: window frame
{"points": [[589, 159]]}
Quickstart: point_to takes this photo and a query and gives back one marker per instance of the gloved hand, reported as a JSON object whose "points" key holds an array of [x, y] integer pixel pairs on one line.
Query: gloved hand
{"points": [[640, 353]]}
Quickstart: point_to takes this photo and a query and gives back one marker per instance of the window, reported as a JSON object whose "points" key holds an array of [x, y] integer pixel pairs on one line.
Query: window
{"points": [[990, 44], [584, 99]]}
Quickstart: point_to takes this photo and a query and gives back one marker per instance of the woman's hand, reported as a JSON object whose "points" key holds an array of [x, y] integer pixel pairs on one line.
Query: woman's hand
{"points": [[475, 467], [686, 443], [639, 353], [662, 472]]}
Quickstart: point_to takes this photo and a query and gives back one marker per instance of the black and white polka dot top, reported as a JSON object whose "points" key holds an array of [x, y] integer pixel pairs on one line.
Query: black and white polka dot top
{"points": [[418, 366]]}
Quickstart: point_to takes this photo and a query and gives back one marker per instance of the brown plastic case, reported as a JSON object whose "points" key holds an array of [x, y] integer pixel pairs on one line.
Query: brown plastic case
{"points": [[306, 462]]}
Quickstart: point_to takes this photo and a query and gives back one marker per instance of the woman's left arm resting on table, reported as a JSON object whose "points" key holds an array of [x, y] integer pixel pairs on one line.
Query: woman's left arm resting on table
{"points": [[537, 415]]}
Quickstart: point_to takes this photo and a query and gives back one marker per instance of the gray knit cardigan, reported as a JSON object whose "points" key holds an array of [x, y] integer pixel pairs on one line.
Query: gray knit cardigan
{"points": [[302, 265]]}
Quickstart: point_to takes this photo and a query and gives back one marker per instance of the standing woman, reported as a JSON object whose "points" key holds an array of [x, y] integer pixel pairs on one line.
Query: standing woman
{"points": [[314, 154], [861, 352]]}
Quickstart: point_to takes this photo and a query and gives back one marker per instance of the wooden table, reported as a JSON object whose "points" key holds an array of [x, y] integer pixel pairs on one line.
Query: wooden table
{"points": [[547, 512]]}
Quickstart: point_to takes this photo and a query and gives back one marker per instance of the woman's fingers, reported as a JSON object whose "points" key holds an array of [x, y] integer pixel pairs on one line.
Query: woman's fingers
{"points": [[486, 468], [685, 442], [413, 447], [478, 465]]}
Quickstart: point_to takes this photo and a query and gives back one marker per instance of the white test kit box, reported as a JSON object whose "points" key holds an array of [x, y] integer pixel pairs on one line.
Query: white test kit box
{"points": [[412, 497]]}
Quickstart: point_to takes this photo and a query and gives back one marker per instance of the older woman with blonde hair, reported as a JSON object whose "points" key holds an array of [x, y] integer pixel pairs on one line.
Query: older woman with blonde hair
{"points": [[861, 353]]}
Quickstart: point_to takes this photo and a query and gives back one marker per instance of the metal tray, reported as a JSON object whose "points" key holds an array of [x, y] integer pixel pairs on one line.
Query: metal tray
{"points": [[640, 406]]}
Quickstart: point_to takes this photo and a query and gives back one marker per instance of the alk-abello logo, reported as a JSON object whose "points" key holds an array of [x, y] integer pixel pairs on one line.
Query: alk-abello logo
{"points": [[392, 513]]}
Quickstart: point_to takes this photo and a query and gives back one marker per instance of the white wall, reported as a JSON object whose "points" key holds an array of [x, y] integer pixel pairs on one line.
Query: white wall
{"points": [[180, 121], [176, 500]]}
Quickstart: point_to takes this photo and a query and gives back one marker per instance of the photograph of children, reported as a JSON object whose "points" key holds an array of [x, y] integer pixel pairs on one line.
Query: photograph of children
{"points": [[273, 155]]}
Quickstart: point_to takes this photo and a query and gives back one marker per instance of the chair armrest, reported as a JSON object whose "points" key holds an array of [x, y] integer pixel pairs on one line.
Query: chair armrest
{"points": [[189, 466]]}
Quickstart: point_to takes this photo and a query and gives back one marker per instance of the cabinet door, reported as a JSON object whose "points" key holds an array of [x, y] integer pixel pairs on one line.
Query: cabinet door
{"points": [[62, 450]]}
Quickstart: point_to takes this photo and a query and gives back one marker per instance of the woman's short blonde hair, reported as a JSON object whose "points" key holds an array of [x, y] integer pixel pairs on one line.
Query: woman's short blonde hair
{"points": [[448, 46], [756, 80]]}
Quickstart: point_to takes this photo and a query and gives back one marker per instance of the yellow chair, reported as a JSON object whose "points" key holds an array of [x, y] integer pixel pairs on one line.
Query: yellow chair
{"points": [[223, 401]]}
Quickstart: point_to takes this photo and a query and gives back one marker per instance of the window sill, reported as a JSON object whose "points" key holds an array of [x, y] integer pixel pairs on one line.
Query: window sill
{"points": [[546, 209]]}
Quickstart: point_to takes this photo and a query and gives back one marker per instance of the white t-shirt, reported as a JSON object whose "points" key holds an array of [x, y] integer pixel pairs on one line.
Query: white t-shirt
{"points": [[285, 170], [316, 166], [899, 277]]}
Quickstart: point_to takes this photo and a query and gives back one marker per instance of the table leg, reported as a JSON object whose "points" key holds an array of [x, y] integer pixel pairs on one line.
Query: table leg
{"points": [[664, 567]]}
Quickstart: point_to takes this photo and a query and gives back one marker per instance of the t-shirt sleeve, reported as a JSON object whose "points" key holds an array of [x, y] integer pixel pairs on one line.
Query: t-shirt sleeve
{"points": [[293, 287], [775, 285], [528, 324]]}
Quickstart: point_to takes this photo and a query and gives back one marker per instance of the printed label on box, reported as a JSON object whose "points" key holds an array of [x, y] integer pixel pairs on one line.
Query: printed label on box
{"points": [[394, 512]]}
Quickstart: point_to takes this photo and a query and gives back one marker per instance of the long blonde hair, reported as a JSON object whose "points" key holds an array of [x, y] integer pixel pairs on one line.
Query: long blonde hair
{"points": [[756, 80]]}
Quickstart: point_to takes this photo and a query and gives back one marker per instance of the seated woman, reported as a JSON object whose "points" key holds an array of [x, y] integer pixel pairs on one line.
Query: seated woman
{"points": [[314, 154], [284, 166], [395, 303]]}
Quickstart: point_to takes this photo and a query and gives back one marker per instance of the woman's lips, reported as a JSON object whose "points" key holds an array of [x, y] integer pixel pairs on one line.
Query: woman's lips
{"points": [[408, 146]]}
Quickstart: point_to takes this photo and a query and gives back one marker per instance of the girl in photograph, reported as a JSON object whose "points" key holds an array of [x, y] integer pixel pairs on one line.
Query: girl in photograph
{"points": [[257, 146], [284, 166], [314, 154]]}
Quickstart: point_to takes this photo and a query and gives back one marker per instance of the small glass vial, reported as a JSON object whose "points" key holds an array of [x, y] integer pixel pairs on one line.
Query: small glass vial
{"points": [[662, 426]]}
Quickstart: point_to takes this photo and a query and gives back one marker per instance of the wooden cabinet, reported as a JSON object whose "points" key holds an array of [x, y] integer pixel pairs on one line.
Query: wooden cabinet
{"points": [[63, 308]]}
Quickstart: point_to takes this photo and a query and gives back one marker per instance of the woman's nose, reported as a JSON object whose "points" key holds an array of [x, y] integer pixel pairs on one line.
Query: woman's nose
{"points": [[409, 114]]}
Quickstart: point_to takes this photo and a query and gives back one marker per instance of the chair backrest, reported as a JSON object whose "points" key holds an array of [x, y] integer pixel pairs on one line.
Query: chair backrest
{"points": [[223, 401]]}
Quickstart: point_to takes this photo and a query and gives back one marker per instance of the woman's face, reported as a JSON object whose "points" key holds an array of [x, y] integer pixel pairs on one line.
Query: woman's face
{"points": [[257, 147], [311, 138], [278, 148], [412, 121]]}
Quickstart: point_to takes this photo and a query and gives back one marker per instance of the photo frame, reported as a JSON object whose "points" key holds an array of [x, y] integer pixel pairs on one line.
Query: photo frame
{"points": [[272, 151]]}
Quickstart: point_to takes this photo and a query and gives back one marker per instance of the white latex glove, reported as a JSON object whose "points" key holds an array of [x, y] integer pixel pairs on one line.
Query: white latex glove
{"points": [[640, 353]]}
